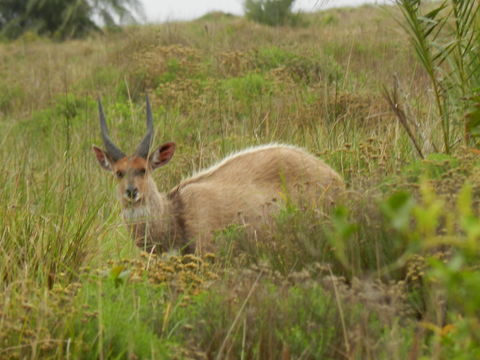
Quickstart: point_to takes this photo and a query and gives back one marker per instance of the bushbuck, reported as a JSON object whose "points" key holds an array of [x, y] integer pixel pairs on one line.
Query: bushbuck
{"points": [[247, 188]]}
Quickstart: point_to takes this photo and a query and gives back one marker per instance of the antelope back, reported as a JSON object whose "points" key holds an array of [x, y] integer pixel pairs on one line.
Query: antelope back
{"points": [[250, 186]]}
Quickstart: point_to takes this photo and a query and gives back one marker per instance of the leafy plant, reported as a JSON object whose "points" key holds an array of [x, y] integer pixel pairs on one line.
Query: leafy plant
{"points": [[271, 12], [446, 37]]}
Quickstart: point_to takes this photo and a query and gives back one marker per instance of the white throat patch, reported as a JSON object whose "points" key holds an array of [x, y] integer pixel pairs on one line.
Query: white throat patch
{"points": [[135, 213]]}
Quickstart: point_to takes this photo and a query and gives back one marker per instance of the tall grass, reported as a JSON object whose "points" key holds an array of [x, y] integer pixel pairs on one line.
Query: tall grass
{"points": [[348, 283]]}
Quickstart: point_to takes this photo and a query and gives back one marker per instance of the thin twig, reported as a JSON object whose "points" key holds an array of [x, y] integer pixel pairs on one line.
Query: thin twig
{"points": [[237, 317], [340, 311], [392, 99]]}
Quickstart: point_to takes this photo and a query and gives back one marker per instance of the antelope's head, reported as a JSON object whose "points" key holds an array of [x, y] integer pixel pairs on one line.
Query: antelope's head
{"points": [[132, 172]]}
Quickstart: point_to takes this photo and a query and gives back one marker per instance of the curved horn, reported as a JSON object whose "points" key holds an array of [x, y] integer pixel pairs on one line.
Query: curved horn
{"points": [[114, 152], [144, 146]]}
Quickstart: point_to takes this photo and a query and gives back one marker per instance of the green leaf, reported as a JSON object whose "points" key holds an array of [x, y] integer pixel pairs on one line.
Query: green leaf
{"points": [[118, 274], [398, 209]]}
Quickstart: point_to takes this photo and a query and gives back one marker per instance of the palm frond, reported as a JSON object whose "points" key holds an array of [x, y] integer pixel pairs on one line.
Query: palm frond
{"points": [[446, 39], [64, 18]]}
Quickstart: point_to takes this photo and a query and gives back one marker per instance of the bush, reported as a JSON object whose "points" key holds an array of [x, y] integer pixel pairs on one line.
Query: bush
{"points": [[271, 12]]}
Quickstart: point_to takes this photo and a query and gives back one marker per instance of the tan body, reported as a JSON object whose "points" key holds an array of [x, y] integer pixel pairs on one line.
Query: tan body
{"points": [[246, 188]]}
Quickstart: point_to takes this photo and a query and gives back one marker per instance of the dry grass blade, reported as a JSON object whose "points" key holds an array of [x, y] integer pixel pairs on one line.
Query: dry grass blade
{"points": [[393, 102], [235, 321]]}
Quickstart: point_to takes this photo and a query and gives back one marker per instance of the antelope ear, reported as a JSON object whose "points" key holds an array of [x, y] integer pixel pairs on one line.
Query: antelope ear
{"points": [[162, 155], [102, 158]]}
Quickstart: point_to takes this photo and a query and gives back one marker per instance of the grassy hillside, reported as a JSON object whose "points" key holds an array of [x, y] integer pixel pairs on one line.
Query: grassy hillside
{"points": [[392, 273]]}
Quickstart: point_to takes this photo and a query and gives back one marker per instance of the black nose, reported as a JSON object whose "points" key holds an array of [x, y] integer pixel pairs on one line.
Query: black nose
{"points": [[132, 192]]}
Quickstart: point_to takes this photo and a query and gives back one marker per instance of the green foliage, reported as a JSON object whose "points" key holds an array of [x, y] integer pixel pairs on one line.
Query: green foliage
{"points": [[60, 18], [397, 208], [341, 233], [265, 325], [354, 239], [10, 97], [173, 67], [248, 87], [273, 57], [329, 19], [445, 37], [34, 192], [271, 12], [472, 118], [456, 275], [302, 69], [121, 328], [216, 16], [434, 166]]}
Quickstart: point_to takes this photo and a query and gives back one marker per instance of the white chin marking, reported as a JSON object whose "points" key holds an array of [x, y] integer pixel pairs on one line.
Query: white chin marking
{"points": [[134, 213], [130, 200]]}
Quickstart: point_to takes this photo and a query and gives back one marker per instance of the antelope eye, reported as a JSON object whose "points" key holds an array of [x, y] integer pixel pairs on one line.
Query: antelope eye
{"points": [[141, 172], [120, 174]]}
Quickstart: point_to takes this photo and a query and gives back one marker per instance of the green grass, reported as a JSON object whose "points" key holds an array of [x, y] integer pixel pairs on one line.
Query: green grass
{"points": [[362, 281]]}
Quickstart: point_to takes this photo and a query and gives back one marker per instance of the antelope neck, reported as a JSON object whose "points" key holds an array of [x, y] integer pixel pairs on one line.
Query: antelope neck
{"points": [[154, 205]]}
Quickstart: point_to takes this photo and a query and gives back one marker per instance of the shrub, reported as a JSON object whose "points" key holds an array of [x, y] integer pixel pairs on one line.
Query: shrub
{"points": [[271, 12]]}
